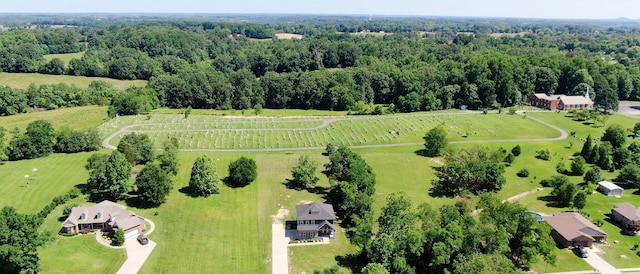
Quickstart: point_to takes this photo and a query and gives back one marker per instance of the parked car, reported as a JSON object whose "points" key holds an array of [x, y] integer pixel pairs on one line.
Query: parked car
{"points": [[143, 239], [581, 251]]}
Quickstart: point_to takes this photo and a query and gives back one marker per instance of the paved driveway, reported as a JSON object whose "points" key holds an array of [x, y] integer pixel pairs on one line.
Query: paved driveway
{"points": [[279, 256], [600, 264], [136, 255]]}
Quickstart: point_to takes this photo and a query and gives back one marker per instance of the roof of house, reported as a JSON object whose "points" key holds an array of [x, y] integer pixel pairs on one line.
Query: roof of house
{"points": [[572, 225], [575, 100], [609, 185], [104, 212], [627, 210], [315, 211], [545, 96]]}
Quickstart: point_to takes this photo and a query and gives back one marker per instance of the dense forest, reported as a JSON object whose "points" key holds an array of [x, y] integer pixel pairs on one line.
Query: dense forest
{"points": [[408, 64]]}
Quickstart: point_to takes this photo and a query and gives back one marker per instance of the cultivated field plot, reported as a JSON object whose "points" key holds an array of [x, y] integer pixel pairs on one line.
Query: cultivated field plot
{"points": [[217, 132]]}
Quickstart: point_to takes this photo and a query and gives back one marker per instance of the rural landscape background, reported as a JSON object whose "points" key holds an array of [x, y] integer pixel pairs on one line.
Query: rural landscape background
{"points": [[419, 131]]}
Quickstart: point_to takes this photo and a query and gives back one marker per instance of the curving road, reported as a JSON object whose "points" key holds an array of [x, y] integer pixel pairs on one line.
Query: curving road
{"points": [[327, 122]]}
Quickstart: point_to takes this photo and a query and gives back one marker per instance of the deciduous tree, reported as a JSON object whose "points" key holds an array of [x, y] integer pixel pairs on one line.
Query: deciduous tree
{"points": [[243, 171], [109, 174], [20, 241], [204, 179], [153, 184], [435, 141], [304, 174]]}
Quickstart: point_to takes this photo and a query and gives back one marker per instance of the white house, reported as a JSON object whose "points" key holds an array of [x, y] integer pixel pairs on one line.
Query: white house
{"points": [[610, 189]]}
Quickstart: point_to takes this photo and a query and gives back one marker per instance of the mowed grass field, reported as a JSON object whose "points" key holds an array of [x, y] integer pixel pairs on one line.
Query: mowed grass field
{"points": [[215, 132], [78, 118], [23, 80], [231, 232]]}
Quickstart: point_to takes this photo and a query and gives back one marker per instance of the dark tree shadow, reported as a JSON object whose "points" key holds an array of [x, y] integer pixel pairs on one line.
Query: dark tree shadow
{"points": [[187, 190], [136, 202], [232, 183], [355, 262], [550, 201], [291, 184], [421, 152]]}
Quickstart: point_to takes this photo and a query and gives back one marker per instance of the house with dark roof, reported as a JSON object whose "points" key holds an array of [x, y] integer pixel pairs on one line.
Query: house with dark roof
{"points": [[571, 228], [315, 220], [624, 213], [105, 216]]}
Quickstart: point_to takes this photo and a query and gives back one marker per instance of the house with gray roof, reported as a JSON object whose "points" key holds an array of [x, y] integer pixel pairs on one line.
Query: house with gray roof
{"points": [[624, 213], [105, 216], [571, 228], [315, 220]]}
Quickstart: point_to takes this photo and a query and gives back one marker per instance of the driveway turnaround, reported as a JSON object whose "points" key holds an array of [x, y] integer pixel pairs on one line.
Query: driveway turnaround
{"points": [[279, 252], [136, 255]]}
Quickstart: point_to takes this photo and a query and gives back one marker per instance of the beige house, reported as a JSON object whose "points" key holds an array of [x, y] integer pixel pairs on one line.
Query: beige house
{"points": [[571, 228], [105, 216]]}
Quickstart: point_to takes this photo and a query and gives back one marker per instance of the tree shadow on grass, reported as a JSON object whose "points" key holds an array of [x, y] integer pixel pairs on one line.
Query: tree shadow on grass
{"points": [[136, 202], [421, 152], [187, 190], [233, 184], [355, 262], [551, 201]]}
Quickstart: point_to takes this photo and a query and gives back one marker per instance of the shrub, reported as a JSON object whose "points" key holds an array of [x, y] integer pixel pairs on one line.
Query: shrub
{"points": [[118, 238], [510, 158], [544, 154], [523, 173], [516, 150]]}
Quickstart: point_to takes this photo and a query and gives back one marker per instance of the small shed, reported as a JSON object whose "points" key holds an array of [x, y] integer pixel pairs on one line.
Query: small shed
{"points": [[610, 189]]}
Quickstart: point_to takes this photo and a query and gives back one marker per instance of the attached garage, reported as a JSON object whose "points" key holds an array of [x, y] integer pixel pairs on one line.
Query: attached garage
{"points": [[131, 233]]}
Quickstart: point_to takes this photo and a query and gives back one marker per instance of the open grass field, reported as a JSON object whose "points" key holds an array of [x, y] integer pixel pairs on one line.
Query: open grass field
{"points": [[230, 232], [211, 132], [288, 36], [80, 254], [23, 80], [65, 57], [78, 118]]}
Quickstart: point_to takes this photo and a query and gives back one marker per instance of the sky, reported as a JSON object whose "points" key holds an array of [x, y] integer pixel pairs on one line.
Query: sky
{"points": [[569, 9]]}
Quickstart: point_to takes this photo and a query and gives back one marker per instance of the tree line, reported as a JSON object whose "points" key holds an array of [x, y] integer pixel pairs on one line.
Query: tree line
{"points": [[208, 65]]}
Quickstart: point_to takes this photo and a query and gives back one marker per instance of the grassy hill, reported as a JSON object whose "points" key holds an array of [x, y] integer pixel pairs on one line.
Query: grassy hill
{"points": [[23, 80]]}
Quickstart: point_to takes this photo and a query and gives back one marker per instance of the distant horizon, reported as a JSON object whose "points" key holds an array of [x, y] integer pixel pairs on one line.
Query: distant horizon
{"points": [[525, 9], [373, 15]]}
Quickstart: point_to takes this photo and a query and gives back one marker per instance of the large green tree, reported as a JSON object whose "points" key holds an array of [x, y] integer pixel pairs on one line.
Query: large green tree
{"points": [[20, 241], [204, 179], [616, 135], [137, 148], [154, 184], [169, 158], [435, 141], [304, 174], [42, 137], [242, 171], [476, 170], [109, 174], [484, 264]]}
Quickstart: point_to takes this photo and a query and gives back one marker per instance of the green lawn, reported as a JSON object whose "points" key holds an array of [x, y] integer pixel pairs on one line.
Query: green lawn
{"points": [[80, 254], [65, 57], [23, 80]]}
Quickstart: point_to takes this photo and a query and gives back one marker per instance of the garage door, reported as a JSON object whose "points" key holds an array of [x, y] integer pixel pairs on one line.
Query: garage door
{"points": [[131, 233]]}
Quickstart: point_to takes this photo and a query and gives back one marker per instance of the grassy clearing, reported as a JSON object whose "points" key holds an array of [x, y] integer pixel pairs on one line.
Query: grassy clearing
{"points": [[55, 175], [65, 57], [211, 132], [23, 80], [81, 254], [289, 36], [90, 116]]}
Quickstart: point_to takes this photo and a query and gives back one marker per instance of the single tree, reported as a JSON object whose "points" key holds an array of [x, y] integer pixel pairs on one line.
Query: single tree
{"points": [[516, 150], [594, 175], [304, 174], [564, 191], [243, 171], [580, 200], [109, 174], [257, 109], [476, 170], [578, 166], [153, 184], [435, 141], [187, 112], [616, 135], [204, 179], [118, 238], [169, 158], [630, 174], [586, 148], [543, 154], [140, 145], [330, 149]]}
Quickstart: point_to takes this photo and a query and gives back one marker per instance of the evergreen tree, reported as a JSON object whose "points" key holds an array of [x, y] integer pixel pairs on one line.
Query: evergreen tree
{"points": [[586, 149]]}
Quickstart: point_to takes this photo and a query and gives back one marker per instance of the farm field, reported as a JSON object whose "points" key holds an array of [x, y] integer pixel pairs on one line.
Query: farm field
{"points": [[211, 132], [65, 57], [23, 80]]}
